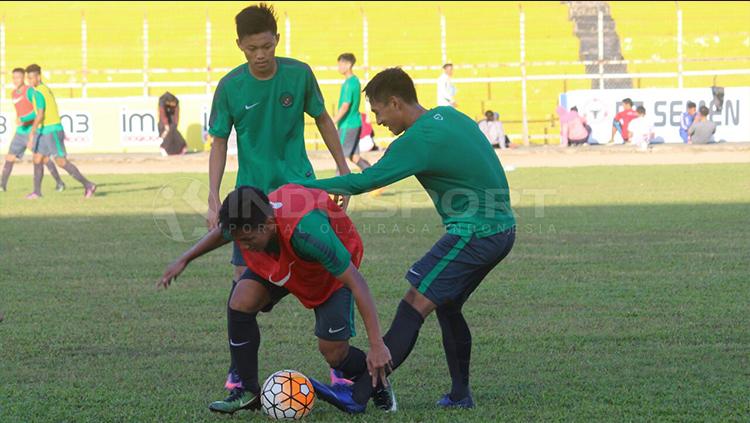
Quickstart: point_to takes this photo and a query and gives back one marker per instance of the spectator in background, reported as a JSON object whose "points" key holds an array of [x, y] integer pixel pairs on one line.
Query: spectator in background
{"points": [[641, 130], [169, 117], [492, 128], [573, 128], [687, 121], [367, 136], [446, 91], [702, 131], [622, 119]]}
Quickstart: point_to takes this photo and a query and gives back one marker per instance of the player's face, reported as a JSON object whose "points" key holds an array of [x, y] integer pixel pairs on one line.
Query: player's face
{"points": [[18, 79], [34, 78], [388, 114], [255, 239], [344, 66], [259, 50], [449, 71]]}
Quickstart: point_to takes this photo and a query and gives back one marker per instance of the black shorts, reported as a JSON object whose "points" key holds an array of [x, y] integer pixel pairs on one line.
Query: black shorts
{"points": [[350, 140], [455, 265], [334, 319]]}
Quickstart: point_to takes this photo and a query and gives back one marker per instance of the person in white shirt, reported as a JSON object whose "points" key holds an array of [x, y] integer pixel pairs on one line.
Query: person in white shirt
{"points": [[492, 128], [641, 130], [446, 91]]}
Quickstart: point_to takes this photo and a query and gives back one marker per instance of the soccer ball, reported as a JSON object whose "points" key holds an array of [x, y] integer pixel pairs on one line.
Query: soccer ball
{"points": [[287, 395]]}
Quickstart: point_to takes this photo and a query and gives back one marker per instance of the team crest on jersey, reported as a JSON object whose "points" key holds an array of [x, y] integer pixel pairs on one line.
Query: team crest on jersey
{"points": [[286, 99]]}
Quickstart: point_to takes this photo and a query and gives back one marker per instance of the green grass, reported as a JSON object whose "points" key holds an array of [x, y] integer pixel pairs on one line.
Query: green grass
{"points": [[625, 298]]}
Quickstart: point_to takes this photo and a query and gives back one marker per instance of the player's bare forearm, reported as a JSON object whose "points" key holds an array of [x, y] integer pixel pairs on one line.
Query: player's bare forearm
{"points": [[216, 163], [35, 126], [211, 241], [331, 138], [354, 280], [340, 113]]}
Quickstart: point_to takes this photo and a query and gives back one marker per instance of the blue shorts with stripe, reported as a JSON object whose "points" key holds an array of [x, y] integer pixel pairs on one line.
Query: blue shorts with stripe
{"points": [[50, 144], [455, 265]]}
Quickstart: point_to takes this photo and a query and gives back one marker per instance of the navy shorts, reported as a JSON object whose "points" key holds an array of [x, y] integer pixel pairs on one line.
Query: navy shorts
{"points": [[334, 319], [237, 258], [455, 265]]}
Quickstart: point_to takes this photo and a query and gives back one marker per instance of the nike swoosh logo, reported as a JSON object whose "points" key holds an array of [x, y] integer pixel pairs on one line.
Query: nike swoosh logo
{"points": [[238, 345], [285, 279], [330, 330], [413, 272], [251, 106]]}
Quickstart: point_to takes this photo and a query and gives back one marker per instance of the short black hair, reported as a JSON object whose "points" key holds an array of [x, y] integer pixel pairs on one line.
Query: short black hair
{"points": [[690, 105], [245, 207], [489, 113], [628, 101], [347, 57], [704, 110], [447, 64], [574, 109], [392, 82], [641, 110], [33, 68], [256, 20], [19, 70]]}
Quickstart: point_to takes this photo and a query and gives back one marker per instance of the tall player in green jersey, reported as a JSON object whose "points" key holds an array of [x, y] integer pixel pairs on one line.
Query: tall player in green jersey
{"points": [[264, 100], [452, 160]]}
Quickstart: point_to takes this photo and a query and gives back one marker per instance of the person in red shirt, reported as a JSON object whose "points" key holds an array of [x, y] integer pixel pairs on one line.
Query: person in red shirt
{"points": [[295, 241], [23, 98], [622, 119]]}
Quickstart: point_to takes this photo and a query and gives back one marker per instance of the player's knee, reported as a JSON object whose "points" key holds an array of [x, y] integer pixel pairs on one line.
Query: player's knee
{"points": [[10, 158], [333, 352], [354, 158], [60, 161], [419, 302]]}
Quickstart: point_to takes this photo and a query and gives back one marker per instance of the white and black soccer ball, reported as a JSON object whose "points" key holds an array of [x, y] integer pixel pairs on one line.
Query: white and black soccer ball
{"points": [[287, 395]]}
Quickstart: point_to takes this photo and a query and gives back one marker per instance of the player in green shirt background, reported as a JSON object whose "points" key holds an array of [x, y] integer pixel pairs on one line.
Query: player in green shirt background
{"points": [[458, 168], [347, 117], [264, 99]]}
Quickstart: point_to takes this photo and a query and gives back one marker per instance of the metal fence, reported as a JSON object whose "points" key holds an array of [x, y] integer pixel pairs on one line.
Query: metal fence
{"points": [[526, 78]]}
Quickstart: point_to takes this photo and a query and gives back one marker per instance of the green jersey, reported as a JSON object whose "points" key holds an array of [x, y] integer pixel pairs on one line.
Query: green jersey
{"points": [[350, 93], [453, 161], [268, 117], [315, 240]]}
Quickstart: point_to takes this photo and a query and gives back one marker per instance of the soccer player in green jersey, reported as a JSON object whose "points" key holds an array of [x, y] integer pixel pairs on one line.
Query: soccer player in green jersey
{"points": [[347, 117], [23, 101], [47, 137], [264, 99], [453, 161]]}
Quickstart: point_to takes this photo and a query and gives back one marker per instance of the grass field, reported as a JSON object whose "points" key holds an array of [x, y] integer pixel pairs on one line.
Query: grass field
{"points": [[625, 298]]}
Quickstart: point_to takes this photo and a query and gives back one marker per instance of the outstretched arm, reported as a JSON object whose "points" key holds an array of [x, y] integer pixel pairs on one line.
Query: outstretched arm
{"points": [[211, 241], [379, 357]]}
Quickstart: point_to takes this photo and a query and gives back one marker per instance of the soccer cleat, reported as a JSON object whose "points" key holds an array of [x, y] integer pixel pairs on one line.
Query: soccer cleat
{"points": [[447, 402], [3, 189], [233, 381], [337, 378], [340, 396], [33, 196], [238, 399], [90, 191], [384, 398], [60, 187]]}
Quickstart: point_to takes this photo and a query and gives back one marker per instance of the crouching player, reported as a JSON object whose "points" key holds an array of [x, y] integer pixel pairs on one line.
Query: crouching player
{"points": [[295, 240]]}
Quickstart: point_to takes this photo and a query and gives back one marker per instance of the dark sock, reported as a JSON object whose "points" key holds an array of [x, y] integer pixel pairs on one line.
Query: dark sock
{"points": [[457, 346], [38, 174], [53, 171], [75, 173], [400, 340], [354, 365], [232, 367], [363, 164], [244, 340], [6, 174]]}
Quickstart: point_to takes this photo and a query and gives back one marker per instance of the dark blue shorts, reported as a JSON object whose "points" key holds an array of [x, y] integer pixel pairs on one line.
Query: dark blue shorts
{"points": [[455, 265], [237, 258], [334, 319]]}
